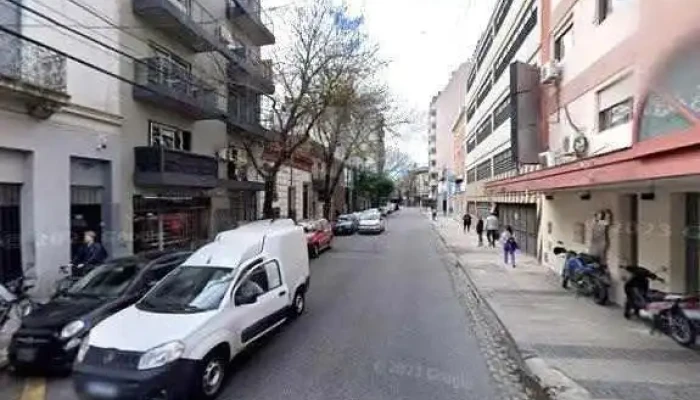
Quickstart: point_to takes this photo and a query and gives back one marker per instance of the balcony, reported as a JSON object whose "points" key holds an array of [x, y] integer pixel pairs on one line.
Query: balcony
{"points": [[170, 86], [184, 20], [250, 71], [237, 179], [252, 19], [34, 75], [159, 166], [244, 115]]}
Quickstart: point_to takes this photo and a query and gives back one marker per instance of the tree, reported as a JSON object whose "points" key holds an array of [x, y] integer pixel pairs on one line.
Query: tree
{"points": [[397, 163], [375, 186], [311, 74]]}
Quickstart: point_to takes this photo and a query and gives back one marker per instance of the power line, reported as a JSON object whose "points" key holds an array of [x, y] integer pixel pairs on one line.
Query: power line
{"points": [[95, 41]]}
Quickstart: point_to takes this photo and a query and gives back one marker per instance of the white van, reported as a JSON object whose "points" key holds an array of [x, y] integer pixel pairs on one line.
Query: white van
{"points": [[176, 342]]}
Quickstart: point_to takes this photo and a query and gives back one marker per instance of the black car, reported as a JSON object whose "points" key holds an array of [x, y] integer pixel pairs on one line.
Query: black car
{"points": [[346, 225], [50, 336]]}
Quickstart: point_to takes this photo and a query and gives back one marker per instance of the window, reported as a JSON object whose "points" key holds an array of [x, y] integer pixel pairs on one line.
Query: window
{"points": [[189, 289], [502, 112], [525, 27], [471, 175], [484, 49], [484, 130], [503, 8], [471, 144], [503, 162], [483, 170], [564, 43], [161, 135], [274, 278], [433, 163], [173, 58], [615, 115], [483, 92]]}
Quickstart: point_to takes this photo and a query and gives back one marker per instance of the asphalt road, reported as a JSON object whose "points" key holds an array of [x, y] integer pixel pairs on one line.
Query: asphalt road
{"points": [[383, 322]]}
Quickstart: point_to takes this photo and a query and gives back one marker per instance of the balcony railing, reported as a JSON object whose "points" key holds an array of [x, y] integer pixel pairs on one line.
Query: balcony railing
{"points": [[254, 21], [171, 86], [31, 70], [186, 20], [159, 166]]}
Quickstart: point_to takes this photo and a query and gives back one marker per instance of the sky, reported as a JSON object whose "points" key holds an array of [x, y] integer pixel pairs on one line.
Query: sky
{"points": [[424, 41]]}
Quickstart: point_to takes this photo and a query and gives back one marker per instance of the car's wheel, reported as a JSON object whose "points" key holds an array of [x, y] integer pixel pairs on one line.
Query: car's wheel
{"points": [[298, 303], [211, 375]]}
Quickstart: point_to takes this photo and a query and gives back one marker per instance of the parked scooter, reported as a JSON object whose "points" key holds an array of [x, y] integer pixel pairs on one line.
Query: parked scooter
{"points": [[588, 276], [677, 315], [70, 274]]}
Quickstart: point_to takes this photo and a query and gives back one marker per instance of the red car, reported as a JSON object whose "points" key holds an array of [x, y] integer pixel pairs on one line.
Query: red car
{"points": [[319, 235]]}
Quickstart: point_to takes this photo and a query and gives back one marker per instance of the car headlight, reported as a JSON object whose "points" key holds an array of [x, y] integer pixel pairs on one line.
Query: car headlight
{"points": [[161, 355], [82, 351], [72, 329]]}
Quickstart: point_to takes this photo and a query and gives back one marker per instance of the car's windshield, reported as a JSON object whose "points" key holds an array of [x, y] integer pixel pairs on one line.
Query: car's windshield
{"points": [[345, 218], [369, 216], [189, 289], [107, 280]]}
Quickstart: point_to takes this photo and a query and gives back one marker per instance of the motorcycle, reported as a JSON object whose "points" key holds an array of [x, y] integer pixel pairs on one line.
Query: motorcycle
{"points": [[14, 298], [585, 272], [70, 274], [677, 315]]}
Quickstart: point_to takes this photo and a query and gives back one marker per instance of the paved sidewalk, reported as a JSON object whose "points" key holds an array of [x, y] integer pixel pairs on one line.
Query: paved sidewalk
{"points": [[610, 357]]}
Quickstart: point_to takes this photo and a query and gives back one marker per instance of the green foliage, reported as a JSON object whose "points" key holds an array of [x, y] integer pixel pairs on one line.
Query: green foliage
{"points": [[376, 187]]}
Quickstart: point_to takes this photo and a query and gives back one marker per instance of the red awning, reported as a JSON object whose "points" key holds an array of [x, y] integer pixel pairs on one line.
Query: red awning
{"points": [[667, 156]]}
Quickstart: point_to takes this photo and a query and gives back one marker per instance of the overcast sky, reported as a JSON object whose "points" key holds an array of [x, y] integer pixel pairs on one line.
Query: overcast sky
{"points": [[424, 41]]}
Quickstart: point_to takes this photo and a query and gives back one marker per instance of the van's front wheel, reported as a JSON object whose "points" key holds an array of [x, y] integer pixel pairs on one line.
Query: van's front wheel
{"points": [[211, 376], [298, 304]]}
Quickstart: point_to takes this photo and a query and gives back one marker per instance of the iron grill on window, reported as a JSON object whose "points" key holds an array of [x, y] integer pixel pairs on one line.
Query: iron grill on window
{"points": [[526, 27], [471, 175], [503, 162], [502, 112], [483, 170], [484, 130]]}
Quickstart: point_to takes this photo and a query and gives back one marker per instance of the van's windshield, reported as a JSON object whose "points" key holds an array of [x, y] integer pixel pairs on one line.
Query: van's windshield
{"points": [[189, 290]]}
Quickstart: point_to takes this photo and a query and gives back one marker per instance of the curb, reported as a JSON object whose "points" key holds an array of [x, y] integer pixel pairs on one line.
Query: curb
{"points": [[544, 381]]}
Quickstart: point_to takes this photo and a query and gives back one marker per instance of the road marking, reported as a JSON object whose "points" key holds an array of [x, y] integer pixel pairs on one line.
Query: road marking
{"points": [[34, 389]]}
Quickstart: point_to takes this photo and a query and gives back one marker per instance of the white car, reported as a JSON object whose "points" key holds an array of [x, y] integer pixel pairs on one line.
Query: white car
{"points": [[372, 222], [177, 341]]}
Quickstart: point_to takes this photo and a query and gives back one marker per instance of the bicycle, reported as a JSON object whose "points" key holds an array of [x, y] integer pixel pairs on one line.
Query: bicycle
{"points": [[15, 301]]}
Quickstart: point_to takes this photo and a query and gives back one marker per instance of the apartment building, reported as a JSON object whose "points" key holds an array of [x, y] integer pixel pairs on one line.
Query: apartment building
{"points": [[512, 35], [619, 136], [199, 78], [444, 112], [60, 161]]}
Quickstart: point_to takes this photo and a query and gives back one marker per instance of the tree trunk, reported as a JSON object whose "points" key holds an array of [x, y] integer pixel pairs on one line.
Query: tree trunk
{"points": [[269, 194], [327, 195]]}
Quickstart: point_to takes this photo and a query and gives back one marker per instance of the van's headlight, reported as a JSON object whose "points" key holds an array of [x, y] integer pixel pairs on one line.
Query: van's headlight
{"points": [[82, 351], [72, 329], [161, 355]]}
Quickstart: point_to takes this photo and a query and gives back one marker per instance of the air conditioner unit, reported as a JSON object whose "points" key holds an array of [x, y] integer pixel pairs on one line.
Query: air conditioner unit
{"points": [[550, 72], [547, 159]]}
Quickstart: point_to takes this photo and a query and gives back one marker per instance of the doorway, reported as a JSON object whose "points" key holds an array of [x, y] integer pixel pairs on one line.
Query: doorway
{"points": [[10, 233], [692, 242]]}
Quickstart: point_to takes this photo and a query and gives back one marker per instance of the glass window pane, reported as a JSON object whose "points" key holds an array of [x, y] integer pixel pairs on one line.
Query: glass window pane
{"points": [[273, 274]]}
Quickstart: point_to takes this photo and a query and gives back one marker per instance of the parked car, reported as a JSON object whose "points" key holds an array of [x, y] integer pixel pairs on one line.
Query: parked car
{"points": [[383, 211], [346, 224], [49, 337], [319, 236], [177, 342], [372, 222]]}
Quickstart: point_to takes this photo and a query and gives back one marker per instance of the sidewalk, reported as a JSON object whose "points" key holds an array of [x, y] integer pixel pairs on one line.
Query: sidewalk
{"points": [[610, 357]]}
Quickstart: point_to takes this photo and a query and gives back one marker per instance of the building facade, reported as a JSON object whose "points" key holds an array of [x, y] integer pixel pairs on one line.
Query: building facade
{"points": [[199, 78], [620, 136], [512, 35], [60, 159]]}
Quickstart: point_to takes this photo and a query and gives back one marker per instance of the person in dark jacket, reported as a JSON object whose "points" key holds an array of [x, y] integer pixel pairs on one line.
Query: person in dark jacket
{"points": [[90, 254], [467, 222], [480, 231]]}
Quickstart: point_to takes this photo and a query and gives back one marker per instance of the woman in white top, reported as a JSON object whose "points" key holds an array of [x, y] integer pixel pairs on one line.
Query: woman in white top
{"points": [[509, 245]]}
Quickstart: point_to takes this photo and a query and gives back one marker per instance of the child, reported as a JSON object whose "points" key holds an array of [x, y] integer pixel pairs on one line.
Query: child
{"points": [[509, 245]]}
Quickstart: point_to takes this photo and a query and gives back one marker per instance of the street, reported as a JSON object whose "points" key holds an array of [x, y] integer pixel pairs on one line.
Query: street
{"points": [[383, 322]]}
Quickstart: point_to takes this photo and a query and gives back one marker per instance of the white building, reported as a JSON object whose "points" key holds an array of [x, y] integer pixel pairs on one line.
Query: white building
{"points": [[512, 34], [60, 143]]}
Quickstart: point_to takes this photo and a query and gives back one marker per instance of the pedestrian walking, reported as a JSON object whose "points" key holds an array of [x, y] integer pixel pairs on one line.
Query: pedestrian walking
{"points": [[480, 231], [467, 222], [492, 229], [509, 245], [434, 214]]}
